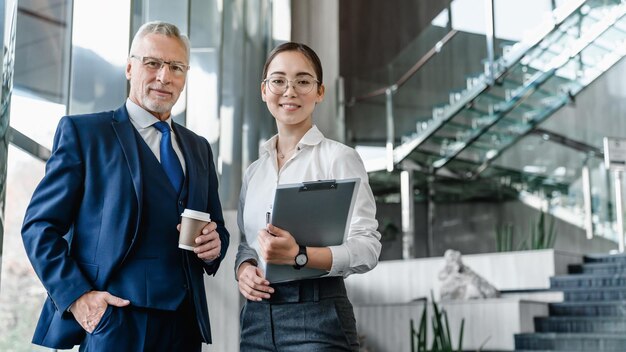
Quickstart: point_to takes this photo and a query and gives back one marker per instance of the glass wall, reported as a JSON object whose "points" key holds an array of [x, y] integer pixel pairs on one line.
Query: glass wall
{"points": [[70, 58], [506, 101], [43, 49], [21, 293], [41, 83], [99, 51]]}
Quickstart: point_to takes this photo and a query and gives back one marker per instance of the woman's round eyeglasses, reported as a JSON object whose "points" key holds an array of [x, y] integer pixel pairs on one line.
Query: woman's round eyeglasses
{"points": [[279, 85]]}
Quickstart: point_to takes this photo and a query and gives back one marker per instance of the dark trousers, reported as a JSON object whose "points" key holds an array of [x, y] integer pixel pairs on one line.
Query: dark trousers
{"points": [[303, 316], [133, 329]]}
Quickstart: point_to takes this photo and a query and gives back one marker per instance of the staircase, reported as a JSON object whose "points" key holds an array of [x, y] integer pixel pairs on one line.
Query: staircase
{"points": [[532, 80], [462, 128], [592, 316]]}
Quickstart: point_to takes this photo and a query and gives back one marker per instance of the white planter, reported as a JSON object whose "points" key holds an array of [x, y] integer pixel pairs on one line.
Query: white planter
{"points": [[400, 281], [384, 298]]}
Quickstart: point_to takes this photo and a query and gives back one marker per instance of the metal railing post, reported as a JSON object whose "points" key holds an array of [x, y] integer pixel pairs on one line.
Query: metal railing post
{"points": [[489, 36], [390, 128], [408, 214], [586, 180], [619, 210]]}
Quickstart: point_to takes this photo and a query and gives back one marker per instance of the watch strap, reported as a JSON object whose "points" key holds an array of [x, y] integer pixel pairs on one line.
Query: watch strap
{"points": [[301, 252]]}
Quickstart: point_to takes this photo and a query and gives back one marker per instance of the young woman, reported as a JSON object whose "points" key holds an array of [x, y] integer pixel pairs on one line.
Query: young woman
{"points": [[312, 314]]}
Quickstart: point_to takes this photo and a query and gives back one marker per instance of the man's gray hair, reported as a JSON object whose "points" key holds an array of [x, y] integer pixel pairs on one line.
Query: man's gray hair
{"points": [[163, 28]]}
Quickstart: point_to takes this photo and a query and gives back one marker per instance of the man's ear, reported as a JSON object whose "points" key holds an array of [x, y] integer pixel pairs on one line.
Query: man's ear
{"points": [[128, 69]]}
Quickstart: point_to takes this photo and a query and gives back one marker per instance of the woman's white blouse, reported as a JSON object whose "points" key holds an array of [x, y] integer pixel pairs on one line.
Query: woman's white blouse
{"points": [[315, 158]]}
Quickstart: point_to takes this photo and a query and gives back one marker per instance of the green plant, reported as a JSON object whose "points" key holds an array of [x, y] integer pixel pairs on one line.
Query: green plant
{"points": [[504, 238], [442, 339], [419, 337], [542, 235], [539, 237]]}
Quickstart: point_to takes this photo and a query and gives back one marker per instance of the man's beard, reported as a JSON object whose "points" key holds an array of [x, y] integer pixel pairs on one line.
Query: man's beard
{"points": [[160, 107]]}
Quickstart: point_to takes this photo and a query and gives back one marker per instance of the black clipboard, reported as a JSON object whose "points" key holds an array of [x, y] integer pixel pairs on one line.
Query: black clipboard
{"points": [[317, 214]]}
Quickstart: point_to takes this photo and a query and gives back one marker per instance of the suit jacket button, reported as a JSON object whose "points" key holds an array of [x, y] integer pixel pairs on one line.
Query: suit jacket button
{"points": [[180, 202], [185, 287]]}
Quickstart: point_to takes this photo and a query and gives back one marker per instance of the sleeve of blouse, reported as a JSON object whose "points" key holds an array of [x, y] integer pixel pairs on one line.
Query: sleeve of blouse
{"points": [[360, 252], [244, 252]]}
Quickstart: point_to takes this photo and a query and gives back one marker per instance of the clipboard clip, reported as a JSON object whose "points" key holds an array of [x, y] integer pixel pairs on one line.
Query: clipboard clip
{"points": [[318, 185]]}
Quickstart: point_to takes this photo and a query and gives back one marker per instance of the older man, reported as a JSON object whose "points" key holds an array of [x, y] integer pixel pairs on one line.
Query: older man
{"points": [[101, 228]]}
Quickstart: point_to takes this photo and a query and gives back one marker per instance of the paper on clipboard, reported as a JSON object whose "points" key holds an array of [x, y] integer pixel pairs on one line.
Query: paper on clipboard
{"points": [[317, 214]]}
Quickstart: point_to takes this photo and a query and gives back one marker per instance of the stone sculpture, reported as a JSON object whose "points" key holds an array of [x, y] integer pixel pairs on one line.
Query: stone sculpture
{"points": [[458, 281]]}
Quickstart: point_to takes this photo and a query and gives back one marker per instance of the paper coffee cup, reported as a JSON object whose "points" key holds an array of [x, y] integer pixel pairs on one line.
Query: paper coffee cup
{"points": [[191, 225]]}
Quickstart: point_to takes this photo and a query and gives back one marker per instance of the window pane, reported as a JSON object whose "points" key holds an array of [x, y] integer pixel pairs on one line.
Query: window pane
{"points": [[35, 118], [42, 48], [21, 293]]}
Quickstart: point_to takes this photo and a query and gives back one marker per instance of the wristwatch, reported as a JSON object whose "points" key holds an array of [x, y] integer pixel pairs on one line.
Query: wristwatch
{"points": [[301, 258]]}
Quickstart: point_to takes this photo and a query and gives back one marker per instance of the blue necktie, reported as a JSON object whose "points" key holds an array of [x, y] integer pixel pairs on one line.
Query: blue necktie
{"points": [[169, 159]]}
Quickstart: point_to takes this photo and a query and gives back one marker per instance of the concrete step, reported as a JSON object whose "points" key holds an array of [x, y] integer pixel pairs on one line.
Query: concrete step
{"points": [[600, 268], [589, 309], [594, 294], [587, 280], [604, 258], [581, 324], [571, 342]]}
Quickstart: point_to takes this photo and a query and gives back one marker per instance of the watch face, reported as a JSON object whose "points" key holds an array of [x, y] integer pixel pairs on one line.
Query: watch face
{"points": [[301, 259]]}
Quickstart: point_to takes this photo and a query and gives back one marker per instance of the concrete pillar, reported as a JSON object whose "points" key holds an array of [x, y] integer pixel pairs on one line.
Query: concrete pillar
{"points": [[316, 24]]}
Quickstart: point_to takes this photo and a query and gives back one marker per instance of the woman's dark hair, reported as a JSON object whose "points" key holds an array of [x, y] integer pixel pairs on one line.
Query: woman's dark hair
{"points": [[301, 48]]}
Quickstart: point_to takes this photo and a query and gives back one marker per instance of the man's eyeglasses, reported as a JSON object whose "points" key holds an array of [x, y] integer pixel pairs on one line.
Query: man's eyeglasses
{"points": [[279, 85], [154, 64]]}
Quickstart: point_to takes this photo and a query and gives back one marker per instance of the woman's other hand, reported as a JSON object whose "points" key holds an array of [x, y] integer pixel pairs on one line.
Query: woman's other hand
{"points": [[252, 282]]}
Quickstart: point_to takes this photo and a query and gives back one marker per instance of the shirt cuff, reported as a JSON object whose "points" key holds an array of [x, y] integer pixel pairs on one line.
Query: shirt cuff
{"points": [[252, 261], [341, 260]]}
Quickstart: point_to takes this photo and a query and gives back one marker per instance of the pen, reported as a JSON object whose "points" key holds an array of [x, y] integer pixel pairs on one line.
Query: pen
{"points": [[268, 215]]}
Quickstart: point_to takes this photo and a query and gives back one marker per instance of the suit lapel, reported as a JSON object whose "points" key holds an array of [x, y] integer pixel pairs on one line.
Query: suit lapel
{"points": [[197, 176], [124, 131]]}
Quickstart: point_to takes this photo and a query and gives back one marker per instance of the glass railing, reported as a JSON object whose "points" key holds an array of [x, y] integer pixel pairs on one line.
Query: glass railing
{"points": [[459, 118], [409, 62], [532, 80], [415, 84], [565, 199]]}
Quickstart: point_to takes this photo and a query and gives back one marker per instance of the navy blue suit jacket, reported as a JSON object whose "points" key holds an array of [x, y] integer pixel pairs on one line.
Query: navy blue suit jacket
{"points": [[83, 218]]}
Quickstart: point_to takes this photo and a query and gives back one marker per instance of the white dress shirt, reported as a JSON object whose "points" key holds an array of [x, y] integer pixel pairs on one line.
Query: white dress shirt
{"points": [[143, 121], [315, 158]]}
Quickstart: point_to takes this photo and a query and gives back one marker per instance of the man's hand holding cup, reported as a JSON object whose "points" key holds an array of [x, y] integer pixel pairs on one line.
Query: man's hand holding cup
{"points": [[198, 234]]}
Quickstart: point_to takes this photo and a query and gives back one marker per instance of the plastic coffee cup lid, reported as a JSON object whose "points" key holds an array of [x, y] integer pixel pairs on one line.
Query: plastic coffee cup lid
{"points": [[198, 215]]}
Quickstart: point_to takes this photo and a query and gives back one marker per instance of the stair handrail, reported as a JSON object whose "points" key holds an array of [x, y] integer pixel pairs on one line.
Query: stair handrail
{"points": [[502, 66], [409, 73], [558, 16], [401, 152]]}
